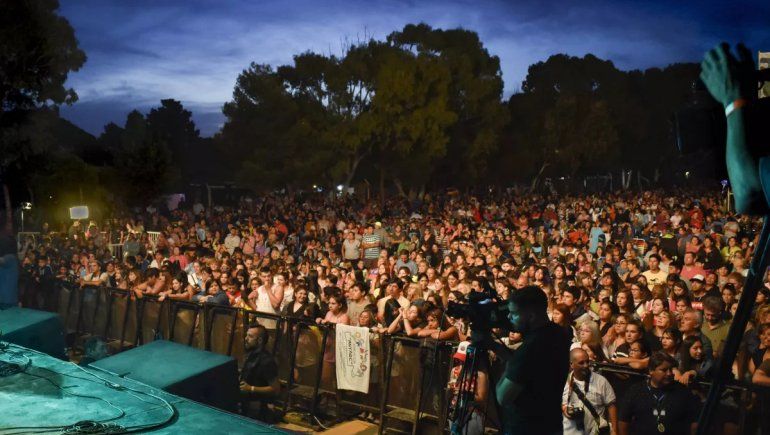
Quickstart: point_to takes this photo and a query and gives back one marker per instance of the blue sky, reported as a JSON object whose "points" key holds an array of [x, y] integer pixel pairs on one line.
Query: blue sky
{"points": [[141, 51]]}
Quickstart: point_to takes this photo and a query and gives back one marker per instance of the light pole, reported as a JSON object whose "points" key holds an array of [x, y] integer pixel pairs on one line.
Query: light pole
{"points": [[24, 206]]}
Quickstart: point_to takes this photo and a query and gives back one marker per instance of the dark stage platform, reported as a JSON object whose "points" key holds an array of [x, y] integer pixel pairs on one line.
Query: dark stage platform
{"points": [[49, 393], [195, 374]]}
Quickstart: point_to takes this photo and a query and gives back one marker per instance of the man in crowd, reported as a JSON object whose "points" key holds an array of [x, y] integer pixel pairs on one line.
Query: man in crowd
{"points": [[393, 291], [259, 376], [691, 326], [659, 405], [588, 400], [716, 326], [371, 244], [351, 247], [570, 298], [654, 274], [233, 240], [95, 276], [529, 393]]}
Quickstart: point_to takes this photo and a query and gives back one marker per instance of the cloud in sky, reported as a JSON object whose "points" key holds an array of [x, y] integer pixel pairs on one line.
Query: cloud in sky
{"points": [[192, 50]]}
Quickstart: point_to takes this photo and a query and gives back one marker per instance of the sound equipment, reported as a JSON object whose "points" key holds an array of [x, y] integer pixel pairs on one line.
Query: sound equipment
{"points": [[38, 330], [198, 375]]}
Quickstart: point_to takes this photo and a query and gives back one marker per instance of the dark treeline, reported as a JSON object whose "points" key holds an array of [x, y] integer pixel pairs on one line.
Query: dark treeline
{"points": [[422, 110]]}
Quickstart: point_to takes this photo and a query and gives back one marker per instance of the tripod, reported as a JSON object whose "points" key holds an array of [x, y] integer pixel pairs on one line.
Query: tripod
{"points": [[464, 398]]}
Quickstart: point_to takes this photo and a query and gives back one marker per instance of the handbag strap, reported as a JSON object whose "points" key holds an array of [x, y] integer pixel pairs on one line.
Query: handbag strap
{"points": [[584, 399]]}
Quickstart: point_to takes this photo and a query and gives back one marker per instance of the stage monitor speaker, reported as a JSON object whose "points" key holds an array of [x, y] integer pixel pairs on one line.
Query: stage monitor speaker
{"points": [[33, 329], [195, 374]]}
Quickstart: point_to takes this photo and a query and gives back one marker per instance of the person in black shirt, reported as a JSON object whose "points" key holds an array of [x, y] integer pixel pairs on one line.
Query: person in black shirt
{"points": [[659, 405], [530, 392], [259, 376]]}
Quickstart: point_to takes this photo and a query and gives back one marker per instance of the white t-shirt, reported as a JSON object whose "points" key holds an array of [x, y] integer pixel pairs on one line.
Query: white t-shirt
{"points": [[600, 394]]}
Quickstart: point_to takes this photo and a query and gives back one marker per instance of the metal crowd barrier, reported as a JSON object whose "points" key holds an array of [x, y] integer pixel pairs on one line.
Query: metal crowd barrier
{"points": [[409, 376], [402, 389], [743, 392]]}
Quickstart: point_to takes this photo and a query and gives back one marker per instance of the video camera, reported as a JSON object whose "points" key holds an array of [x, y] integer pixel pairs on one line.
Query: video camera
{"points": [[483, 311]]}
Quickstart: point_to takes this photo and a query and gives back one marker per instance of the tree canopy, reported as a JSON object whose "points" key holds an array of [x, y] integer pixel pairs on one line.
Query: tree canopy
{"points": [[421, 109]]}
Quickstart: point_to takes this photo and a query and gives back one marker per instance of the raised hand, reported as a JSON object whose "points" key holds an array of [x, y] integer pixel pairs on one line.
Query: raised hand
{"points": [[726, 77]]}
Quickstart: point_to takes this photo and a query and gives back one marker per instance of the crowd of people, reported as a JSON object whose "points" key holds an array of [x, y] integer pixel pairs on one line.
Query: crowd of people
{"points": [[643, 282]]}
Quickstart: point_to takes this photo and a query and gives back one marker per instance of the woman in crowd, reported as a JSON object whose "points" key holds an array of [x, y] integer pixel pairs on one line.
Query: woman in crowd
{"points": [[435, 328], [607, 312], [671, 341], [625, 302], [638, 299], [299, 305], [180, 289], [618, 335], [590, 341], [762, 353], [410, 321], [693, 361], [663, 321], [561, 316]]}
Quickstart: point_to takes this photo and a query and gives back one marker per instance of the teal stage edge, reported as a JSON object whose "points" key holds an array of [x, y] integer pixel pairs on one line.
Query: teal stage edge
{"points": [[39, 330], [195, 374], [54, 393]]}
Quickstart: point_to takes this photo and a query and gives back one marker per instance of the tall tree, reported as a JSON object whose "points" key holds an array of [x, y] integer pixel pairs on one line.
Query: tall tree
{"points": [[409, 118], [143, 162], [475, 96], [172, 124], [38, 49]]}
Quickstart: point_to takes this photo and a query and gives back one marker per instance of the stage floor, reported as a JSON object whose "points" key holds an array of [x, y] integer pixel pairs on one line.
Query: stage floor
{"points": [[51, 393]]}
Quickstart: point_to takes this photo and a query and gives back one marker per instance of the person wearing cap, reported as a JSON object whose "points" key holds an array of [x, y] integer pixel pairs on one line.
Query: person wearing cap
{"points": [[699, 292], [383, 233], [479, 384]]}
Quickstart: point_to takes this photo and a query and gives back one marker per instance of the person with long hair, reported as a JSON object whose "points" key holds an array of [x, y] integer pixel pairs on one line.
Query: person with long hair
{"points": [[590, 341], [180, 289], [559, 275], [607, 312], [435, 328], [618, 332], [638, 299], [671, 341], [560, 315], [299, 304], [410, 321], [655, 307], [625, 302], [762, 353], [693, 361], [663, 321]]}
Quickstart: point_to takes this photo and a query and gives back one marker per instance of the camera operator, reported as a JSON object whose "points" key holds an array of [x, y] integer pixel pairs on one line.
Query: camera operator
{"points": [[530, 392], [586, 397]]}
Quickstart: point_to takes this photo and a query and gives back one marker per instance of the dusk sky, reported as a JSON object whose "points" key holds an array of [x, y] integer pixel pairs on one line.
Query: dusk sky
{"points": [[141, 51]]}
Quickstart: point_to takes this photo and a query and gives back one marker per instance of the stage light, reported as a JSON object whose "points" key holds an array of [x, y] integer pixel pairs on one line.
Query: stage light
{"points": [[79, 212]]}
